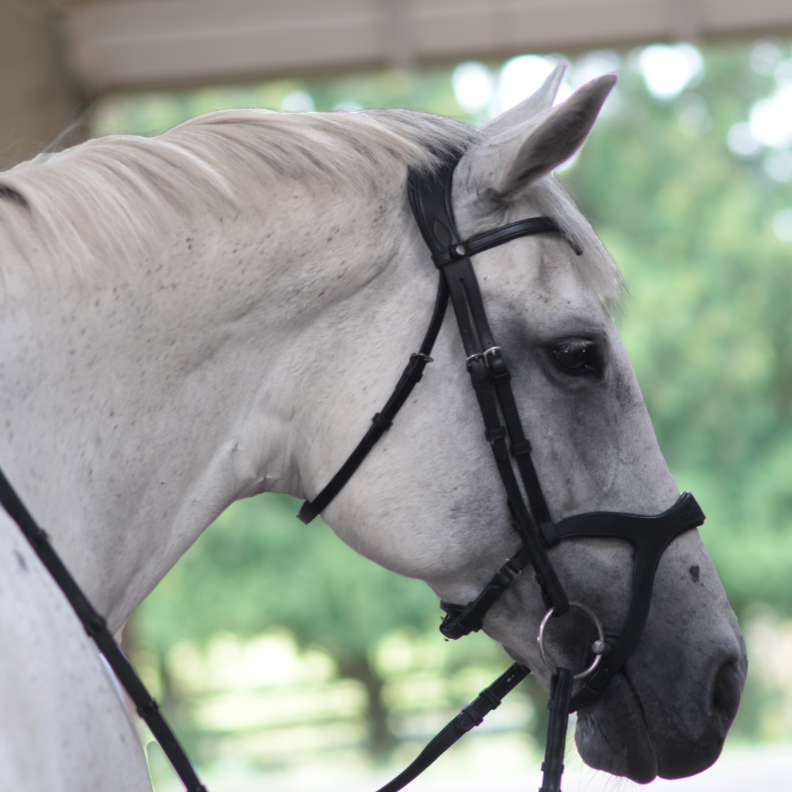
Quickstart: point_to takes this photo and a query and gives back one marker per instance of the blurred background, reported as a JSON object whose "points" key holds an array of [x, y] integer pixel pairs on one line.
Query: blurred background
{"points": [[284, 660]]}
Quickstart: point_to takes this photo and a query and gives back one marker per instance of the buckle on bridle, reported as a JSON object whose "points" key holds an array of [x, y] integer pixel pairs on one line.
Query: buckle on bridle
{"points": [[482, 355]]}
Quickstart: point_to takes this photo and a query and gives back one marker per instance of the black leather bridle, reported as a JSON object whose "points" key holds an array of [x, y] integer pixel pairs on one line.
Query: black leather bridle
{"points": [[430, 198]]}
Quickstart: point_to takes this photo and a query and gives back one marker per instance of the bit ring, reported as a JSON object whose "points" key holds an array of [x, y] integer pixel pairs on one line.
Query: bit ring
{"points": [[599, 645]]}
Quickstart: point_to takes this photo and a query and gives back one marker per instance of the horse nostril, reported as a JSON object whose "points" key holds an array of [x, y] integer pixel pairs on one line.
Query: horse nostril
{"points": [[726, 694]]}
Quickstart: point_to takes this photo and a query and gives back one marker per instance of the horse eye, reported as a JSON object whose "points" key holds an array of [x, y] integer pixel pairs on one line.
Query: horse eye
{"points": [[578, 357]]}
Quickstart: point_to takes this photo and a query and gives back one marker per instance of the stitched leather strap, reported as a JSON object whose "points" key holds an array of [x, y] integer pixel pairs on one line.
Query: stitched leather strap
{"points": [[463, 620], [496, 237], [472, 715], [383, 420], [553, 765]]}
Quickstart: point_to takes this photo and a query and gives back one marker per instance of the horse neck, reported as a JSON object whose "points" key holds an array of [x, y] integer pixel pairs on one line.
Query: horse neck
{"points": [[140, 401]]}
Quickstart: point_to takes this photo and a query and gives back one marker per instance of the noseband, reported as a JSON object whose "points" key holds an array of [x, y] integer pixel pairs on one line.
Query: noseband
{"points": [[430, 199]]}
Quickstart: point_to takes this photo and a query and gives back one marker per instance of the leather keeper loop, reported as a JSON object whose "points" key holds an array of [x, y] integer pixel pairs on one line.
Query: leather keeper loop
{"points": [[518, 449], [470, 715], [504, 578], [495, 434], [448, 256], [497, 368], [381, 421], [479, 376], [40, 537], [95, 626], [493, 700], [550, 534], [147, 709], [415, 367]]}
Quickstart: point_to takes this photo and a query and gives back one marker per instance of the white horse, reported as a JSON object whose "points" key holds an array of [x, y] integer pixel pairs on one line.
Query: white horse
{"points": [[218, 311]]}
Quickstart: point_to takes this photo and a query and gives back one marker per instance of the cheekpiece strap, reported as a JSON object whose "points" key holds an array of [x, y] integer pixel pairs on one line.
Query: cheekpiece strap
{"points": [[430, 199]]}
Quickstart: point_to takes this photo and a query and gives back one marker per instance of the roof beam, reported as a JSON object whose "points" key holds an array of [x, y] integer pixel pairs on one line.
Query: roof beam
{"points": [[144, 43]]}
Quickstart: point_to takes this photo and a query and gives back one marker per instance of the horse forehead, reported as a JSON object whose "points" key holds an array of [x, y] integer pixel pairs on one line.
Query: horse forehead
{"points": [[539, 277]]}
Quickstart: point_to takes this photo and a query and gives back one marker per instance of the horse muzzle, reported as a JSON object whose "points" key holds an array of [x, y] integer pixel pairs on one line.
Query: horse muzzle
{"points": [[664, 718]]}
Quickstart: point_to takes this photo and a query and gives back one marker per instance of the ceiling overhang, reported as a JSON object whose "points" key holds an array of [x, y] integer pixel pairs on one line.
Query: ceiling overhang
{"points": [[126, 44]]}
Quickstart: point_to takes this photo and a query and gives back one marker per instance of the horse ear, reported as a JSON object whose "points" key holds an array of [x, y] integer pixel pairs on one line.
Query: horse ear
{"points": [[534, 148], [535, 105]]}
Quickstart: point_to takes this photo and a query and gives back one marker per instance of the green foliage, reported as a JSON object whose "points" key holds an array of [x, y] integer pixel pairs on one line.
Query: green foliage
{"points": [[258, 567], [708, 323]]}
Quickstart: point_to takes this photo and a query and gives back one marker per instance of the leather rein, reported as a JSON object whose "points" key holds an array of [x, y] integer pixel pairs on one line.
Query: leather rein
{"points": [[430, 198]]}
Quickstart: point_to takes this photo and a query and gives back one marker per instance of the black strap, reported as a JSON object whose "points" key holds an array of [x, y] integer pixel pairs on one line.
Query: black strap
{"points": [[382, 421], [462, 620], [496, 237], [553, 765], [431, 203], [472, 715], [520, 447], [649, 536], [95, 626], [525, 521]]}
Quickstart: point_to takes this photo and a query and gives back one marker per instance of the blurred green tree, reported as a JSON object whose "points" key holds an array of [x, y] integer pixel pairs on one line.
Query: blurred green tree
{"points": [[707, 324], [258, 567]]}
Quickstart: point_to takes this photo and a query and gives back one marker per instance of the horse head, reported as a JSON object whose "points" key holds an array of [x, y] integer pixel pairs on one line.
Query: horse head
{"points": [[429, 502], [224, 308]]}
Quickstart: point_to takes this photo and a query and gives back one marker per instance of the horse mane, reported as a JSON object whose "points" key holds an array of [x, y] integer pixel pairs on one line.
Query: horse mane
{"points": [[118, 196]]}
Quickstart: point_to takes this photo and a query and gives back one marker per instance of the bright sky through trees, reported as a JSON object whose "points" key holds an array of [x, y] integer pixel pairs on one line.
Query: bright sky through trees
{"points": [[668, 70]]}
